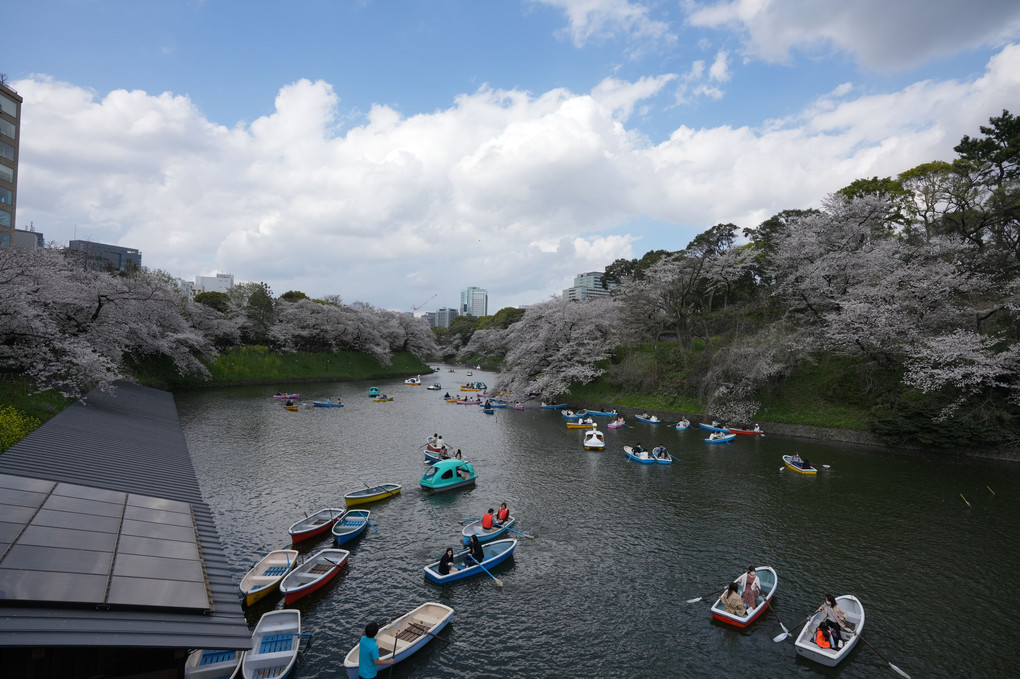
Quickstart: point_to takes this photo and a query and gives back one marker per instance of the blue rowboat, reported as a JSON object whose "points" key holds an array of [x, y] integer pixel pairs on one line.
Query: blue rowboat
{"points": [[495, 552], [723, 439], [711, 427], [405, 635], [599, 413], [557, 406], [644, 457], [485, 534], [661, 455], [327, 404], [570, 414], [488, 411], [352, 524], [213, 664], [651, 419], [274, 645]]}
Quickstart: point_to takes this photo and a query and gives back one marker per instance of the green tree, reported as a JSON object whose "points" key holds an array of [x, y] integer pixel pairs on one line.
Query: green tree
{"points": [[217, 300], [293, 296]]}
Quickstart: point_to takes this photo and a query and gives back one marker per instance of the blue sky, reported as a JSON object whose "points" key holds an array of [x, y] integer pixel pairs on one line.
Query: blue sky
{"points": [[388, 151]]}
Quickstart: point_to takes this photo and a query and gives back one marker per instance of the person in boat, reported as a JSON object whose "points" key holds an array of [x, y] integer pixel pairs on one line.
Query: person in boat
{"points": [[715, 424], [447, 396], [732, 602], [804, 464], [488, 403], [645, 416], [795, 460], [489, 519], [289, 402], [502, 514], [619, 420], [749, 581], [822, 638], [439, 443], [716, 435], [659, 452], [756, 427], [446, 564], [368, 653], [475, 550], [458, 455], [444, 454], [637, 449], [834, 620]]}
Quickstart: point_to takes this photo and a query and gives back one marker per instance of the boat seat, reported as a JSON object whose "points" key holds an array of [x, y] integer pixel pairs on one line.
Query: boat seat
{"points": [[211, 657], [320, 568], [276, 643], [412, 632], [268, 672], [275, 570], [349, 522]]}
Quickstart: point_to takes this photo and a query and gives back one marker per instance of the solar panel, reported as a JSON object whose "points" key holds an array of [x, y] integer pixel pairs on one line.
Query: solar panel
{"points": [[68, 544]]}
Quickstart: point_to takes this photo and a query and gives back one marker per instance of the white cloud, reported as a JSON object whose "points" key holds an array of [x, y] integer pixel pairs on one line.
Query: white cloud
{"points": [[509, 191], [719, 70], [602, 19], [880, 35]]}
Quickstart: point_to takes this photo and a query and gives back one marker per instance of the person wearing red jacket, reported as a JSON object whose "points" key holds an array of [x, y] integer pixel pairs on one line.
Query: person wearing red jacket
{"points": [[503, 515], [488, 520]]}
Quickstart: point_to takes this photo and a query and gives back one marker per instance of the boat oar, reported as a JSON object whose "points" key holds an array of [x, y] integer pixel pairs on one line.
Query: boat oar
{"points": [[895, 669], [530, 537], [388, 492], [370, 524], [782, 637], [786, 632], [469, 520], [697, 599], [499, 583]]}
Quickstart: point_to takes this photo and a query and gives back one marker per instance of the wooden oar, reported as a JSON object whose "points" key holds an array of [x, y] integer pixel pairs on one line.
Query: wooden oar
{"points": [[895, 669], [697, 599], [782, 637], [530, 537]]}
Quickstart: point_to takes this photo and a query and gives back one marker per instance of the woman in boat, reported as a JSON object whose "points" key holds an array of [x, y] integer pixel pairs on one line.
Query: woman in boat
{"points": [[752, 587], [659, 452], [637, 449], [475, 550], [368, 652], [503, 514], [446, 562], [732, 602], [822, 638], [619, 420], [834, 620]]}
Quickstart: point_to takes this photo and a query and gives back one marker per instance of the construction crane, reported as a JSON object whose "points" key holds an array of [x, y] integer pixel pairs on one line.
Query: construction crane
{"points": [[415, 308]]}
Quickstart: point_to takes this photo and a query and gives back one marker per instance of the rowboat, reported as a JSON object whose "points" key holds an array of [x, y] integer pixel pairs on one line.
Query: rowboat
{"points": [[580, 425], [373, 391], [488, 411], [274, 645], [213, 664], [486, 534], [316, 524], [415, 381], [517, 407], [382, 399], [291, 408], [474, 402], [435, 386], [594, 440], [599, 413], [495, 552], [448, 475], [366, 495], [352, 524], [616, 425], [553, 406], [651, 419], [498, 404], [644, 457], [327, 404], [265, 576], [570, 414], [724, 438], [286, 396], [746, 432], [413, 630], [682, 424], [316, 571], [807, 469], [713, 427], [830, 657], [661, 455], [768, 582]]}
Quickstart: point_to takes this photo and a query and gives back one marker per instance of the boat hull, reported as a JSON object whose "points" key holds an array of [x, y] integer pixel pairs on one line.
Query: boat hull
{"points": [[361, 497], [496, 552], [647, 421], [485, 534], [557, 406], [806, 646], [274, 645], [265, 576], [809, 471], [353, 523], [638, 457], [708, 427], [319, 570], [768, 582], [213, 664], [724, 439], [316, 524], [746, 432], [427, 620], [319, 404]]}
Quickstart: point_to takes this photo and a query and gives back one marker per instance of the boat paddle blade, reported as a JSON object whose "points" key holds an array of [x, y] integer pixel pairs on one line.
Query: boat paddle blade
{"points": [[781, 637]]}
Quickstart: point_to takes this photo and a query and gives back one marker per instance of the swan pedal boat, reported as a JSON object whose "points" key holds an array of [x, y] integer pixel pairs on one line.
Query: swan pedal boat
{"points": [[644, 457], [405, 635], [366, 495], [414, 381], [310, 526], [496, 552], [213, 664], [485, 534], [594, 440], [830, 657], [274, 645], [265, 576], [352, 524], [790, 464], [768, 582], [313, 574]]}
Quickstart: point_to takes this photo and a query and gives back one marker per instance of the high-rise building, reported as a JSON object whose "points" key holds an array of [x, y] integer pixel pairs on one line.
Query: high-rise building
{"points": [[444, 316], [108, 257], [221, 282], [10, 127], [586, 286], [474, 302]]}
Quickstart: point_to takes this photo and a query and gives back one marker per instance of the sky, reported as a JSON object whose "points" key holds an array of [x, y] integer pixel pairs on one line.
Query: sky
{"points": [[396, 152]]}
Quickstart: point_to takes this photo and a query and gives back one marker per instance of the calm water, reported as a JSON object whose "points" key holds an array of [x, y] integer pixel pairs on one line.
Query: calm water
{"points": [[619, 547]]}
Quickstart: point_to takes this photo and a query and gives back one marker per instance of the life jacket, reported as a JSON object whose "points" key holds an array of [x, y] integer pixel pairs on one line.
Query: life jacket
{"points": [[822, 640], [502, 514], [487, 521]]}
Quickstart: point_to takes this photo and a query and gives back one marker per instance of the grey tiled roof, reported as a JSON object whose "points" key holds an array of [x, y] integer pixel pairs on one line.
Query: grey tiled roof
{"points": [[127, 440]]}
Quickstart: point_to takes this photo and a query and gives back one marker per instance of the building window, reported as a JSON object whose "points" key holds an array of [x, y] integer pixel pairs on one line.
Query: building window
{"points": [[8, 106], [5, 240], [6, 196], [6, 151], [5, 218], [6, 173], [7, 128]]}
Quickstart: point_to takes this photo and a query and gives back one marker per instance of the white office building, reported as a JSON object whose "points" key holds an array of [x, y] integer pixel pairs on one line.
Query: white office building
{"points": [[474, 302], [586, 286], [221, 282]]}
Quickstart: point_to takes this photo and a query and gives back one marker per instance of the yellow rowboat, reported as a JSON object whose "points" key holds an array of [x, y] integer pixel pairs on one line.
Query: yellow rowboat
{"points": [[382, 400], [366, 495], [290, 407], [808, 469], [265, 576], [579, 425]]}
